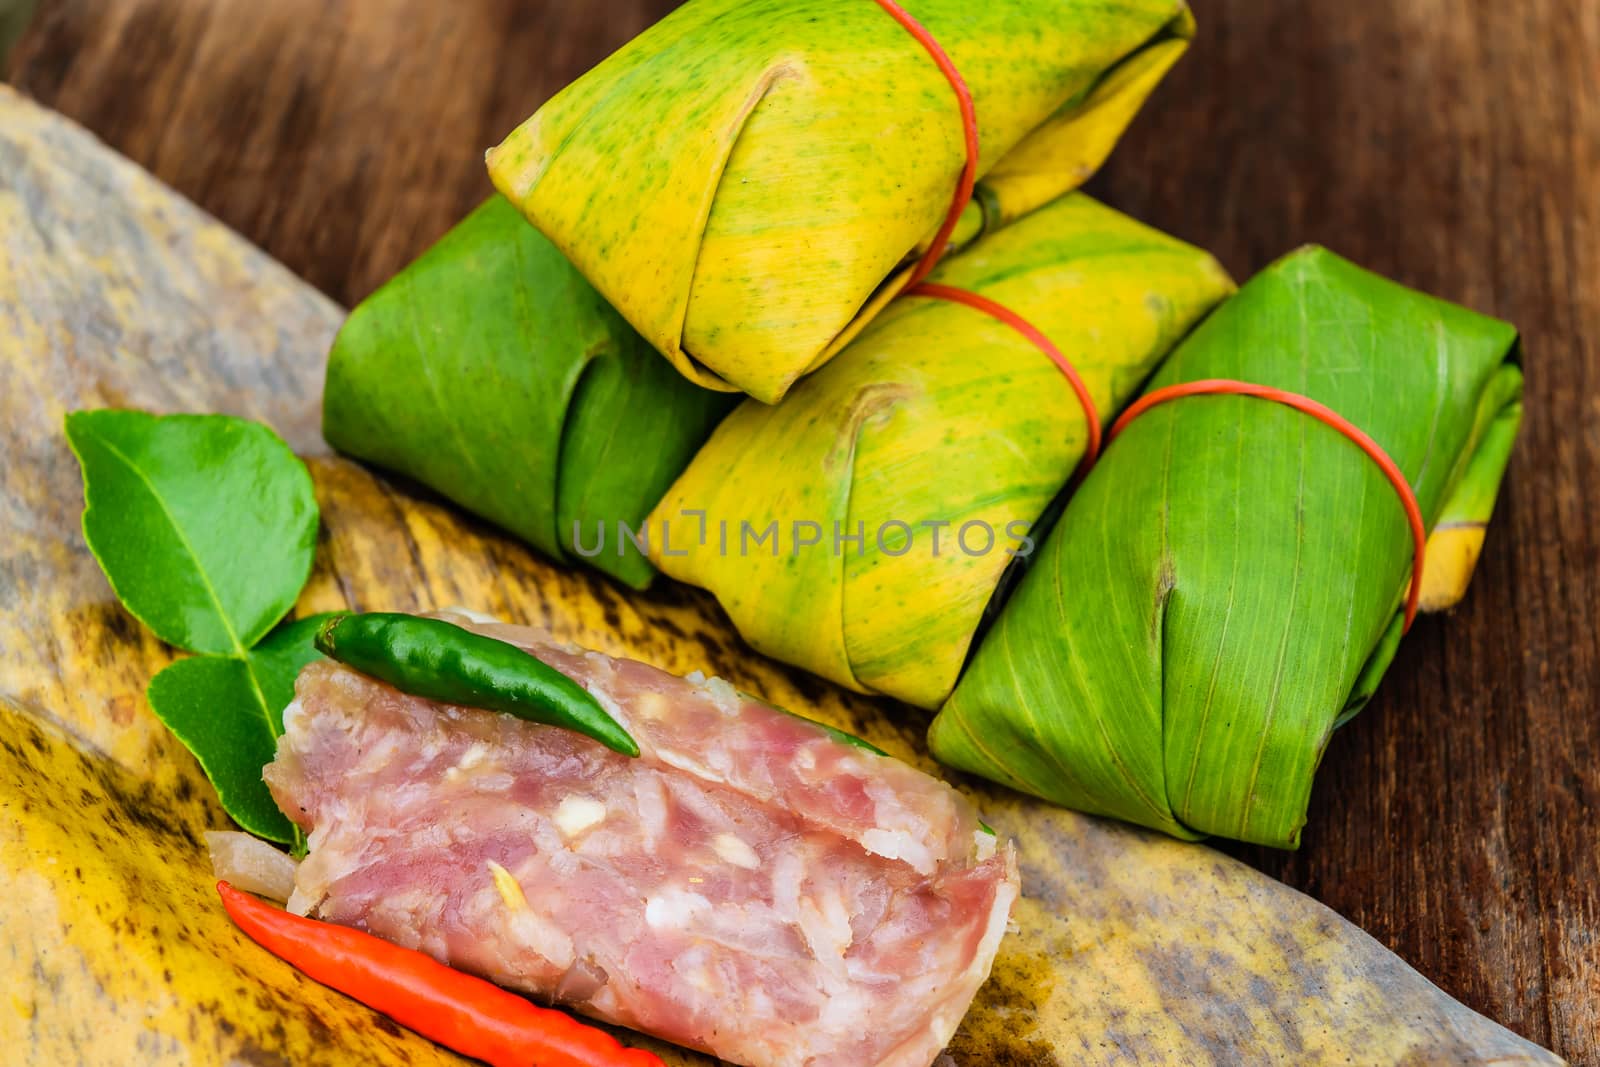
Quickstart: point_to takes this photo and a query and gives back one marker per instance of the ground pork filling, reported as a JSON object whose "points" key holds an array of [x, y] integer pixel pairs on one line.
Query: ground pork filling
{"points": [[750, 885]]}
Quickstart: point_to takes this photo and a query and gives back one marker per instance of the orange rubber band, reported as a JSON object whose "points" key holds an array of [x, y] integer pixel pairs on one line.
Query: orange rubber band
{"points": [[1004, 314], [1325, 414], [969, 131]]}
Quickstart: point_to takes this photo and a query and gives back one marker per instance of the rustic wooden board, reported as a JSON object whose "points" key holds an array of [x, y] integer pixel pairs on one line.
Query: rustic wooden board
{"points": [[1453, 146], [1128, 946]]}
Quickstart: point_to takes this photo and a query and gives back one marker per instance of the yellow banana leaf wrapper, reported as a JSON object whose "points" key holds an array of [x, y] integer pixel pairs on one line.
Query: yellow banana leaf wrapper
{"points": [[491, 372], [747, 180], [1225, 587], [918, 459], [117, 951]]}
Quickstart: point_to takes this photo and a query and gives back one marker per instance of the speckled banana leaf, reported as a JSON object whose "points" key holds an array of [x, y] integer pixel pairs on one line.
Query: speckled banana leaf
{"points": [[1129, 946], [490, 371], [747, 180], [1226, 586], [939, 418]]}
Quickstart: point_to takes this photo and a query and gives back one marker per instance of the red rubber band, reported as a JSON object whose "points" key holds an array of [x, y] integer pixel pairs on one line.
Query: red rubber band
{"points": [[1004, 314], [969, 131], [941, 240], [1325, 414]]}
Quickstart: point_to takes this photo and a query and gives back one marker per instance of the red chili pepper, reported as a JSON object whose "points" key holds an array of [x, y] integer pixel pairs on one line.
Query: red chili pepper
{"points": [[463, 1013]]}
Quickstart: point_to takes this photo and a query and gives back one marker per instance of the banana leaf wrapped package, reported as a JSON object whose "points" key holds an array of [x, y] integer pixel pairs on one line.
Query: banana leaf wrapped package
{"points": [[490, 371], [1222, 591], [748, 181], [934, 440], [1129, 947]]}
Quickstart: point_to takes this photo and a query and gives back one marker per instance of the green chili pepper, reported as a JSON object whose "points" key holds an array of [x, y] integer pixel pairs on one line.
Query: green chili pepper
{"points": [[852, 740], [834, 732], [441, 661]]}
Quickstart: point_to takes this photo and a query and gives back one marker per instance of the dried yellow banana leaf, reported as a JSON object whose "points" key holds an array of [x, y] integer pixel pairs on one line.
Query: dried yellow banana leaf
{"points": [[747, 179], [112, 289], [1224, 588], [919, 458]]}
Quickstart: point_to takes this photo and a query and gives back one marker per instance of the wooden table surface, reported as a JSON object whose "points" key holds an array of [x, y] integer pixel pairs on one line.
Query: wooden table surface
{"points": [[1453, 146]]}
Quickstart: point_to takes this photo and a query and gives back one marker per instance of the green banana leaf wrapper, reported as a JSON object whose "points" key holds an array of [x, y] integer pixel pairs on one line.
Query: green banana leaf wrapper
{"points": [[936, 439], [491, 372], [748, 181], [1226, 586]]}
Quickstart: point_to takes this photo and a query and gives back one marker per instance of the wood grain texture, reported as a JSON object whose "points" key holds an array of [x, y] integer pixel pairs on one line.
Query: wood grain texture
{"points": [[1453, 146], [1126, 944]]}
